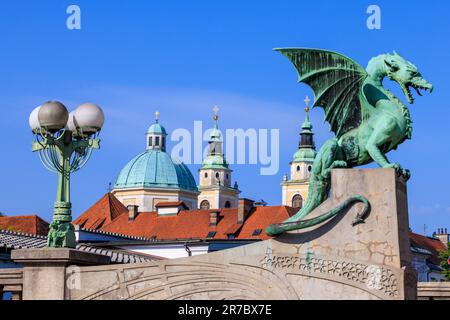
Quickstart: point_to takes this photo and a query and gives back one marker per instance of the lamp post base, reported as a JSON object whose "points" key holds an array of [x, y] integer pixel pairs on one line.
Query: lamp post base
{"points": [[61, 235], [62, 232]]}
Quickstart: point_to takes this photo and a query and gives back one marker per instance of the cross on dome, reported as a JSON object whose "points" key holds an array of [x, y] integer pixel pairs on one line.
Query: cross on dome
{"points": [[307, 100], [216, 113]]}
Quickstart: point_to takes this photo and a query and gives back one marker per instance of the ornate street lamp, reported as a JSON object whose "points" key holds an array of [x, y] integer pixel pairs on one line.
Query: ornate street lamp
{"points": [[65, 143]]}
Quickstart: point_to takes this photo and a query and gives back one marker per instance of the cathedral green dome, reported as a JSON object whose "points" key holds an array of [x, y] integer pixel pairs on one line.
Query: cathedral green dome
{"points": [[155, 169]]}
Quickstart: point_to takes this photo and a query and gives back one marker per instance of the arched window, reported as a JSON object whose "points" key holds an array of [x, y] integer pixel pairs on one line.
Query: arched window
{"points": [[204, 205], [298, 168], [227, 204], [206, 174], [309, 168], [217, 175], [297, 201]]}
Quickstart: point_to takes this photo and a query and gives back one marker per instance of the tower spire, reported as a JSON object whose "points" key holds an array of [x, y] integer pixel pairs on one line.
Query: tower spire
{"points": [[215, 141], [306, 126], [156, 116]]}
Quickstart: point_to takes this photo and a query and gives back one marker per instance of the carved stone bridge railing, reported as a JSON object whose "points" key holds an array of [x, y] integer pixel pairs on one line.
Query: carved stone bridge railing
{"points": [[333, 260], [433, 291], [11, 280]]}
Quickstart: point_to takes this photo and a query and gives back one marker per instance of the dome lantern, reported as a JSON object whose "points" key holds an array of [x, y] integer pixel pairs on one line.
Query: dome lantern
{"points": [[156, 135]]}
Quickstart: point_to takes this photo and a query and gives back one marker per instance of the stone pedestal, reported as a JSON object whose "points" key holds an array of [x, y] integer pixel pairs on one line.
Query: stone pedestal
{"points": [[334, 260], [44, 273]]}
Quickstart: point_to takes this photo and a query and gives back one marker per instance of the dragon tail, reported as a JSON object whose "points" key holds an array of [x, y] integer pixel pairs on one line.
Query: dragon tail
{"points": [[276, 229]]}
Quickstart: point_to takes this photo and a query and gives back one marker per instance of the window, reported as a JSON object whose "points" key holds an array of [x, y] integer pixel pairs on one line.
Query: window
{"points": [[217, 175], [256, 232], [298, 168], [211, 234], [150, 140], [230, 236], [204, 205], [309, 168], [227, 204], [297, 201], [157, 141], [227, 176], [206, 174]]}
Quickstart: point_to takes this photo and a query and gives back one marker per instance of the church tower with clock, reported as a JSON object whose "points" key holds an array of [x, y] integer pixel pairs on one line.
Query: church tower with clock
{"points": [[215, 175]]}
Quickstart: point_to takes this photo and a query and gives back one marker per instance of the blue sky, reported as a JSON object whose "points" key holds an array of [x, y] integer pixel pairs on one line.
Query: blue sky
{"points": [[182, 58]]}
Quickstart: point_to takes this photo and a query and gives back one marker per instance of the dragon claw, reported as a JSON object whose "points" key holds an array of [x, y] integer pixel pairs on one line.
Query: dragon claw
{"points": [[405, 173]]}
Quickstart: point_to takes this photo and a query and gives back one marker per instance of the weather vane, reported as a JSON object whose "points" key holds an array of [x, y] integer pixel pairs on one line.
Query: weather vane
{"points": [[156, 116]]}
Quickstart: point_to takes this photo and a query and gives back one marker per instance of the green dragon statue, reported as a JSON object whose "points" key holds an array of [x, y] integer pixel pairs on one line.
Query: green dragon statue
{"points": [[367, 119]]}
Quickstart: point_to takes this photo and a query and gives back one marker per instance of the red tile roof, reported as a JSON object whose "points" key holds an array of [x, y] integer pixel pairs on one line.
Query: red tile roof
{"points": [[188, 224], [31, 224], [431, 244], [101, 213], [261, 218]]}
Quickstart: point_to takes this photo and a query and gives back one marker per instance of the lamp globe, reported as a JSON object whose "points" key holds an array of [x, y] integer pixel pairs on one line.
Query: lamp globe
{"points": [[88, 118], [33, 120], [53, 116]]}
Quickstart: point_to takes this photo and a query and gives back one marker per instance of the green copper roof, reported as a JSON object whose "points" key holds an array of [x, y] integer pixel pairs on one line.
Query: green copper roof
{"points": [[156, 128], [155, 169], [304, 155], [214, 162]]}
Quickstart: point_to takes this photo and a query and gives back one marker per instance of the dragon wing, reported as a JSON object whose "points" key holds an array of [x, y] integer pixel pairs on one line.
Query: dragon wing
{"points": [[337, 84]]}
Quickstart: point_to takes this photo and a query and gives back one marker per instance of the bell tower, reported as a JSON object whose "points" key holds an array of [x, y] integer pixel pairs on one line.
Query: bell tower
{"points": [[295, 188], [215, 175]]}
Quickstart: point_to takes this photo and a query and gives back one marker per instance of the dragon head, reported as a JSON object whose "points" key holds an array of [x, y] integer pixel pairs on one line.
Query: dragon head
{"points": [[406, 75]]}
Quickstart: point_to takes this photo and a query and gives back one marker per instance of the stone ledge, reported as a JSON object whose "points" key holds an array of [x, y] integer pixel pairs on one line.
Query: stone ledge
{"points": [[58, 256]]}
